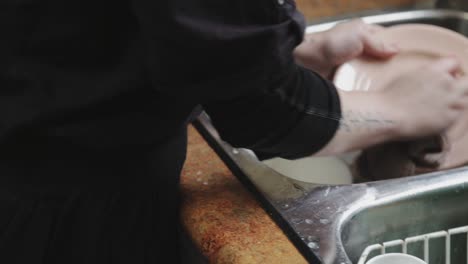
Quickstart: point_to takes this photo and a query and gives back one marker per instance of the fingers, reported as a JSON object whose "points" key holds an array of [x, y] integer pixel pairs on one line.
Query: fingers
{"points": [[375, 47], [374, 28], [447, 65], [460, 94], [358, 33], [372, 45], [462, 86]]}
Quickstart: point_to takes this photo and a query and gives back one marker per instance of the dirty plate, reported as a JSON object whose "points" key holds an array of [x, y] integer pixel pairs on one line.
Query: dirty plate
{"points": [[419, 45]]}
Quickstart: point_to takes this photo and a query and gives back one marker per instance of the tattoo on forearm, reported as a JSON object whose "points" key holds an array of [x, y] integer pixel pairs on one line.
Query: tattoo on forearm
{"points": [[354, 120], [363, 120]]}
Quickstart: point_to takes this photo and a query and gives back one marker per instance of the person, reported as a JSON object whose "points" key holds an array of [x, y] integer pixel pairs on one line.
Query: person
{"points": [[96, 96]]}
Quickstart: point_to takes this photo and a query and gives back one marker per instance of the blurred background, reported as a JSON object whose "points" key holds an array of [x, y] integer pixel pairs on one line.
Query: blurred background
{"points": [[319, 10]]}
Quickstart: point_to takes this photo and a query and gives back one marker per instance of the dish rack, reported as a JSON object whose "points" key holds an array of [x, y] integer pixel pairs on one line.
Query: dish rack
{"points": [[381, 249]]}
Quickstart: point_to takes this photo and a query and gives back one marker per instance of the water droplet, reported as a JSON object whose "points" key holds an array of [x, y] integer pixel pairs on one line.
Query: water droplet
{"points": [[285, 206], [325, 221], [309, 222], [312, 239], [235, 151], [313, 245], [303, 238], [205, 183], [296, 221]]}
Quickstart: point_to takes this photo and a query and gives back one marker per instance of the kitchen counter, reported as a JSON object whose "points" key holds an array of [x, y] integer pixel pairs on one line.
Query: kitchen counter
{"points": [[223, 219]]}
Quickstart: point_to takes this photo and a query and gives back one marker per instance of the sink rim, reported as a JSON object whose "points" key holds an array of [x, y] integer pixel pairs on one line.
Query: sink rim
{"points": [[449, 179], [394, 17]]}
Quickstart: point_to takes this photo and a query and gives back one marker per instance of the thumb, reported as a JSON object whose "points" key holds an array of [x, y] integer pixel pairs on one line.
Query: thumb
{"points": [[375, 47]]}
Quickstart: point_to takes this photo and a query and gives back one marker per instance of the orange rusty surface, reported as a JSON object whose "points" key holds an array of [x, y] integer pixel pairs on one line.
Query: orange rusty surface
{"points": [[223, 218]]}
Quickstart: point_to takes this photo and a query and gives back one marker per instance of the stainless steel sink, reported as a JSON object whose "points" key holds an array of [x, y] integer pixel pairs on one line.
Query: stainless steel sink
{"points": [[335, 223], [408, 207]]}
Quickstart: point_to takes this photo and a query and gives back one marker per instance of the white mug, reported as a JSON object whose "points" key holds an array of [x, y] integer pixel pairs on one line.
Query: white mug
{"points": [[395, 258]]}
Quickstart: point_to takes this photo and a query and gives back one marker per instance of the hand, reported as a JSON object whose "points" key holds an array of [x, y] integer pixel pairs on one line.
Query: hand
{"points": [[324, 51], [429, 100], [424, 102]]}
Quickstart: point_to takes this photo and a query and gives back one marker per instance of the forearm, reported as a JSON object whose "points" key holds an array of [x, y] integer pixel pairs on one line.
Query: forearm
{"points": [[295, 117], [366, 121]]}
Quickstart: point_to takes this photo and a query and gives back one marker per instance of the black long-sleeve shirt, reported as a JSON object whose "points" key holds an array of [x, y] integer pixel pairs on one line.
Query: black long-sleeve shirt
{"points": [[104, 80], [95, 96]]}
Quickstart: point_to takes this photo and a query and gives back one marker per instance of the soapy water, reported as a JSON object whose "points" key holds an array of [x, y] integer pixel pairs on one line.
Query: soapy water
{"points": [[313, 245]]}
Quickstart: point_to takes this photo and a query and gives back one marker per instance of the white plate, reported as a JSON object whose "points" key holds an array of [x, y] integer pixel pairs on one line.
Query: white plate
{"points": [[419, 45]]}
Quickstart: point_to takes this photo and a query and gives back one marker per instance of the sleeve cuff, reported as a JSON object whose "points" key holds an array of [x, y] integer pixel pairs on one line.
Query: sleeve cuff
{"points": [[319, 121]]}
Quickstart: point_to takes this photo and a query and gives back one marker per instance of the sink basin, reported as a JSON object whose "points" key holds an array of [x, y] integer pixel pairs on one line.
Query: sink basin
{"points": [[430, 204], [333, 224]]}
